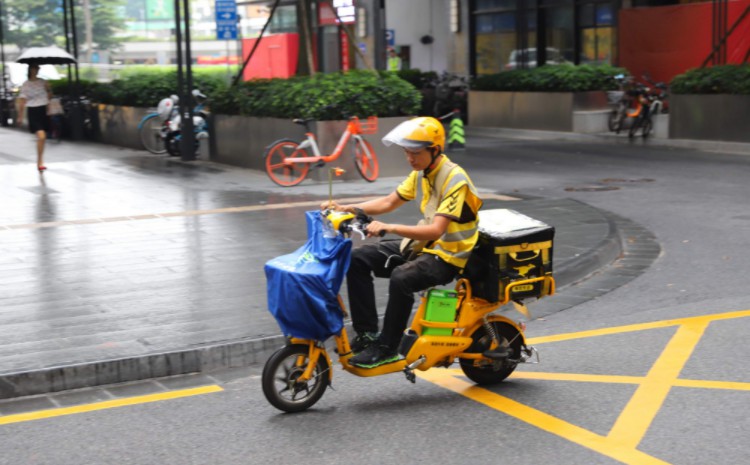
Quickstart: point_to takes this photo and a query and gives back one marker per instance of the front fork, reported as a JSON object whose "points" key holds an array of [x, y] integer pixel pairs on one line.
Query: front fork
{"points": [[315, 351]]}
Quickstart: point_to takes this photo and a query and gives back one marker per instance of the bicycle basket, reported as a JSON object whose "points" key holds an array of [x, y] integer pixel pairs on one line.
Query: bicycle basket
{"points": [[369, 126], [614, 96]]}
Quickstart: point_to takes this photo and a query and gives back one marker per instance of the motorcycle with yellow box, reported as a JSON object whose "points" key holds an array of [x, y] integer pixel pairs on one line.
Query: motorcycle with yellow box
{"points": [[512, 262]]}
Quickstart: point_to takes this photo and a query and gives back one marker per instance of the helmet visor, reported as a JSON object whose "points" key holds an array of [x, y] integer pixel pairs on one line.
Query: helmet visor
{"points": [[403, 136]]}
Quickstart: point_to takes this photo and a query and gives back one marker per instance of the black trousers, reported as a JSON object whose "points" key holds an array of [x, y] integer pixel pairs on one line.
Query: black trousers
{"points": [[424, 272]]}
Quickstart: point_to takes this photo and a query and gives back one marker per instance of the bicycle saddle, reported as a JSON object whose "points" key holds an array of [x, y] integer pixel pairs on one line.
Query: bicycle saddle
{"points": [[302, 121]]}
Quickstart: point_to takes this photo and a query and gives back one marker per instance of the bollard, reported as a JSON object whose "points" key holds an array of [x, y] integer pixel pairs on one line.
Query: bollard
{"points": [[456, 137]]}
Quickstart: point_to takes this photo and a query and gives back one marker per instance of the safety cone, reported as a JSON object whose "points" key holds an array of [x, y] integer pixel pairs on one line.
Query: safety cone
{"points": [[456, 137]]}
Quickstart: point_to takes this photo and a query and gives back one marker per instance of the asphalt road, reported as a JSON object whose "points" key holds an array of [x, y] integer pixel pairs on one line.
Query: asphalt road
{"points": [[653, 372]]}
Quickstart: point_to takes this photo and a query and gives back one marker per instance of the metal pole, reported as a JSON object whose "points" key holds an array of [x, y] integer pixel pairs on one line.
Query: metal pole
{"points": [[4, 113], [187, 131]]}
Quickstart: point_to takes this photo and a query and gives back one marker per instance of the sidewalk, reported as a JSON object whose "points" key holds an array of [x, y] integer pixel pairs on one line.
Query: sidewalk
{"points": [[119, 265]]}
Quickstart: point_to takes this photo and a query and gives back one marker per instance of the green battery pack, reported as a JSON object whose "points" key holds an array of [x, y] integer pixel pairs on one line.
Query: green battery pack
{"points": [[441, 307]]}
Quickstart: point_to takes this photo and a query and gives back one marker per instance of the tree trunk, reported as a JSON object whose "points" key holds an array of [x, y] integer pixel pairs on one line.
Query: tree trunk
{"points": [[306, 61]]}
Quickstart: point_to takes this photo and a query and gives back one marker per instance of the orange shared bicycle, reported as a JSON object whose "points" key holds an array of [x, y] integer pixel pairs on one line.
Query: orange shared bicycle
{"points": [[287, 162]]}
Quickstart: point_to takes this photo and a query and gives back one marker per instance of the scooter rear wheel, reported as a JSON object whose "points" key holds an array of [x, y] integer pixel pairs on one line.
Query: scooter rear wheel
{"points": [[280, 374], [487, 371]]}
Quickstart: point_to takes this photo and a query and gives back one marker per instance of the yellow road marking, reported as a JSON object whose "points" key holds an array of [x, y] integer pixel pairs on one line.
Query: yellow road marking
{"points": [[642, 408], [636, 418], [605, 446], [617, 379], [637, 327], [51, 413]]}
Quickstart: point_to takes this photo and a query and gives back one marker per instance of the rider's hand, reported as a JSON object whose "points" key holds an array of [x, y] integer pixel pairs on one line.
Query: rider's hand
{"points": [[376, 229], [335, 206]]}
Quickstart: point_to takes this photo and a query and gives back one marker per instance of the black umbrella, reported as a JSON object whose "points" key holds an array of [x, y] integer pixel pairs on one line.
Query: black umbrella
{"points": [[46, 56]]}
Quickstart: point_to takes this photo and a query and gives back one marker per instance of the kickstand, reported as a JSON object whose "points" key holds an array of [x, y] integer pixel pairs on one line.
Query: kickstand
{"points": [[410, 376]]}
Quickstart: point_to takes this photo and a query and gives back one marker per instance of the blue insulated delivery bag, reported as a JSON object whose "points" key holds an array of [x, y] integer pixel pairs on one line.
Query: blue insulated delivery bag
{"points": [[303, 286]]}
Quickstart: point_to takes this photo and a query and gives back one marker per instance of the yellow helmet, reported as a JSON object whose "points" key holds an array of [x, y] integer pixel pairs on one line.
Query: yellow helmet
{"points": [[417, 133]]}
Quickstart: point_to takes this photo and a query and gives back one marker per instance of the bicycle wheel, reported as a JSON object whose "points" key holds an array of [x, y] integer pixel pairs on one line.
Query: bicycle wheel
{"points": [[280, 374], [366, 160], [286, 175], [150, 133]]}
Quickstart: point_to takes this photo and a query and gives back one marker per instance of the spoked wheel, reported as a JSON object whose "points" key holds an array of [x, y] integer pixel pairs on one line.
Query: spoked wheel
{"points": [[365, 160], [285, 174], [280, 375], [486, 371], [151, 135]]}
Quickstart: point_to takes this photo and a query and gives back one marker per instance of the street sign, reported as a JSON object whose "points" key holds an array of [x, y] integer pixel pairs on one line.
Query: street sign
{"points": [[226, 19], [390, 37]]}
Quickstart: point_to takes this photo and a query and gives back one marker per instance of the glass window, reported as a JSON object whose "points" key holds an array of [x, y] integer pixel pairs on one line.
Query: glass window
{"points": [[559, 34], [284, 20], [495, 40]]}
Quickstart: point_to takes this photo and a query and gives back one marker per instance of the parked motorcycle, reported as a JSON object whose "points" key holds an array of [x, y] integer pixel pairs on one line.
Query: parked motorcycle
{"points": [[200, 125]]}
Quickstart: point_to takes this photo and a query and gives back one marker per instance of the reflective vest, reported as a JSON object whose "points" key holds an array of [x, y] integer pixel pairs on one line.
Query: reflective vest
{"points": [[456, 244]]}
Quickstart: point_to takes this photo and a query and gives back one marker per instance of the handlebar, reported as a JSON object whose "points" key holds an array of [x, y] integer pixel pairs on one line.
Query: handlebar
{"points": [[347, 223]]}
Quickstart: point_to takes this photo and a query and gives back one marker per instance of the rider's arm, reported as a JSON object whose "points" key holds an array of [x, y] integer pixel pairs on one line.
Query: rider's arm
{"points": [[377, 206], [421, 232]]}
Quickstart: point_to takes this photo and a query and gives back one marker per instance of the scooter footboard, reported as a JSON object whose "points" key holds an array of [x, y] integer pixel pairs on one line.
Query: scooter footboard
{"points": [[433, 349]]}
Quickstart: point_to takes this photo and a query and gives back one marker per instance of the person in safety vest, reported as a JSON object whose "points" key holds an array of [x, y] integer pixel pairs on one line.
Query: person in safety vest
{"points": [[394, 61], [448, 233]]}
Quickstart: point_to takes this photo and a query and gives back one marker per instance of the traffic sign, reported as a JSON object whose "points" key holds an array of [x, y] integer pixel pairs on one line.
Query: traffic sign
{"points": [[226, 19], [390, 37]]}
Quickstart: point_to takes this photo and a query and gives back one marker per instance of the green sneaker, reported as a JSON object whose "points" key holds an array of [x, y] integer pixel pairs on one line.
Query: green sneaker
{"points": [[374, 356]]}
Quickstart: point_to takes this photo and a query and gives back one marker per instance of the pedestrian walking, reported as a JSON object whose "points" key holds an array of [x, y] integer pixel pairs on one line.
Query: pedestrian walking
{"points": [[34, 96]]}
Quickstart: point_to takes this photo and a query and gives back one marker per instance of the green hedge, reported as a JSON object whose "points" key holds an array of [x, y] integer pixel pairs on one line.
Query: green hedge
{"points": [[322, 97], [726, 79], [551, 78], [329, 96]]}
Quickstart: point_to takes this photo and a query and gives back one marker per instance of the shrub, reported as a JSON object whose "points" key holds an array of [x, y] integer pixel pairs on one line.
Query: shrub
{"points": [[322, 97], [552, 78], [726, 79]]}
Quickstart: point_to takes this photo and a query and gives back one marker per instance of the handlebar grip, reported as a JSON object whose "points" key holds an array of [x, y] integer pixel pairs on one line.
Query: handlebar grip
{"points": [[381, 234]]}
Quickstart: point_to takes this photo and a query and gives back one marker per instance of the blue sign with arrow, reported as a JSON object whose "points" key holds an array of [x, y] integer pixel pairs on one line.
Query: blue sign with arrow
{"points": [[226, 19]]}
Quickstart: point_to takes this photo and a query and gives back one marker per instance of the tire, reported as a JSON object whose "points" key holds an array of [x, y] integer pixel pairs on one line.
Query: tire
{"points": [[485, 371], [367, 166], [150, 133], [280, 374], [172, 144], [285, 175]]}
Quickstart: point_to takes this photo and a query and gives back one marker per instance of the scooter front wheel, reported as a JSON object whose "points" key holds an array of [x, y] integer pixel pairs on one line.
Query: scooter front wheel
{"points": [[492, 371], [280, 379]]}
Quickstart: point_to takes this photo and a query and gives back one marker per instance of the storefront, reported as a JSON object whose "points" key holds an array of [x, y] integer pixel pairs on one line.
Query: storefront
{"points": [[512, 34]]}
